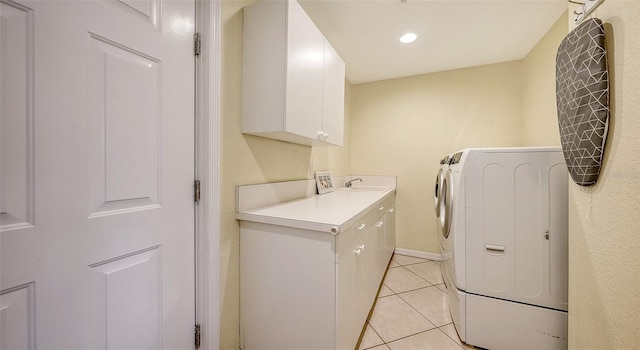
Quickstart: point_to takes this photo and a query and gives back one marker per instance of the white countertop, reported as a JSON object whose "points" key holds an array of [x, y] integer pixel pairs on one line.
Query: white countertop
{"points": [[335, 210]]}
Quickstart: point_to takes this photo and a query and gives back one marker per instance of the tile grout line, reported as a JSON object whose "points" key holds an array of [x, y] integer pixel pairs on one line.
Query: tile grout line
{"points": [[411, 306], [411, 335], [418, 311], [422, 262], [430, 284], [447, 333], [393, 293], [370, 325], [379, 336], [456, 341], [398, 294], [421, 276]]}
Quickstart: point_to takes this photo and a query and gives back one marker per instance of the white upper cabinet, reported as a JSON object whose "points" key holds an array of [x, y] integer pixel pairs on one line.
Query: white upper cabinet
{"points": [[333, 96], [293, 80]]}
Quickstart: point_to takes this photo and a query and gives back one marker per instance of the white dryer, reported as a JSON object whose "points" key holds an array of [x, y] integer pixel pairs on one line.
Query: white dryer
{"points": [[503, 229], [444, 166], [442, 205]]}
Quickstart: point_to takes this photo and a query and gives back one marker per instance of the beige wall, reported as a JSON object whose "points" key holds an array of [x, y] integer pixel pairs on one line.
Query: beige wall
{"points": [[539, 112], [604, 230], [405, 126], [248, 160]]}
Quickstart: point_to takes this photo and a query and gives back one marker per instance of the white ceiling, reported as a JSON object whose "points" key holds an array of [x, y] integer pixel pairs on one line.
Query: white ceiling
{"points": [[451, 33]]}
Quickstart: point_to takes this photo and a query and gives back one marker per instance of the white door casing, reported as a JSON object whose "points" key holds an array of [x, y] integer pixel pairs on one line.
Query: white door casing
{"points": [[96, 174], [208, 14]]}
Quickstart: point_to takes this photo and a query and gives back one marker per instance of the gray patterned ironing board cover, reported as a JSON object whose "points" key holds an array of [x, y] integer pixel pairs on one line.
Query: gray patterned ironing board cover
{"points": [[582, 96]]}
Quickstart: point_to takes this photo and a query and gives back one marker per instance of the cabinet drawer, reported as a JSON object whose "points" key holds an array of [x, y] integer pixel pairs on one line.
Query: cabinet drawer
{"points": [[386, 204], [347, 239]]}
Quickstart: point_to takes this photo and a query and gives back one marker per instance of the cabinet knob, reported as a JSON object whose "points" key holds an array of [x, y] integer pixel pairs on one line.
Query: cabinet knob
{"points": [[360, 227], [323, 136], [381, 208]]}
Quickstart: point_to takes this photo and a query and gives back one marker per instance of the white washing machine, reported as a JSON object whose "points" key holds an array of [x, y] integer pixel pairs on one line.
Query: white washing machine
{"points": [[503, 226]]}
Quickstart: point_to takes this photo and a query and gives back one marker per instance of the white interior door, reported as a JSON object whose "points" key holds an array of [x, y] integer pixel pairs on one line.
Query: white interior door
{"points": [[96, 174]]}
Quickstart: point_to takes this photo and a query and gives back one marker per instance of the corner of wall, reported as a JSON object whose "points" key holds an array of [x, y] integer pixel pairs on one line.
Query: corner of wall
{"points": [[539, 113]]}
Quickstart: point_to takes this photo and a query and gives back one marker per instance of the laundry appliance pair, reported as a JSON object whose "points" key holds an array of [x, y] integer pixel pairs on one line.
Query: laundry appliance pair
{"points": [[502, 224]]}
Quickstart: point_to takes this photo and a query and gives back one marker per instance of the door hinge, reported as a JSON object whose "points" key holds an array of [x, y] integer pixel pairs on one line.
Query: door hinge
{"points": [[197, 336], [196, 44], [196, 191]]}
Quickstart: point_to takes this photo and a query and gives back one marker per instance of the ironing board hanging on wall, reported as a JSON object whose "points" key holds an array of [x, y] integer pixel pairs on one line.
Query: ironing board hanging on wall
{"points": [[582, 96]]}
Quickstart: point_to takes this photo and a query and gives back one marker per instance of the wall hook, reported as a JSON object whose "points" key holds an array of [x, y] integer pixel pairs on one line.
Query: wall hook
{"points": [[587, 8]]}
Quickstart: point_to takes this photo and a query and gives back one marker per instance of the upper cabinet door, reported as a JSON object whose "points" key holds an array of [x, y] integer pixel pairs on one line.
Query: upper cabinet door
{"points": [[293, 80], [305, 44], [333, 96]]}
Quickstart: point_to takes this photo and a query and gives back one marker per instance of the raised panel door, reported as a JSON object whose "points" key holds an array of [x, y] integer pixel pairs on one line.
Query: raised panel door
{"points": [[97, 167], [16, 117]]}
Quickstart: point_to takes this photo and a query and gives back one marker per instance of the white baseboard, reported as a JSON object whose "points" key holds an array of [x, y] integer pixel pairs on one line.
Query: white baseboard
{"points": [[419, 254]]}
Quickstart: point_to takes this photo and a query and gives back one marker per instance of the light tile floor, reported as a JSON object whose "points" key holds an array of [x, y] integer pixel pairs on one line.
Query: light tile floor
{"points": [[412, 310]]}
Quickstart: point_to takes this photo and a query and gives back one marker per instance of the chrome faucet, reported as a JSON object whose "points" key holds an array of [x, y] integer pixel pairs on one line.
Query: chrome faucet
{"points": [[348, 183]]}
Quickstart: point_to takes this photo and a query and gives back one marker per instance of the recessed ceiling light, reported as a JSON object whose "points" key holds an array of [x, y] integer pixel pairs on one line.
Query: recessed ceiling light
{"points": [[408, 38]]}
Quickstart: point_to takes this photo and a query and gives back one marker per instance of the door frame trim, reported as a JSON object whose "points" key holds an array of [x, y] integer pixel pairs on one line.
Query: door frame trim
{"points": [[207, 100]]}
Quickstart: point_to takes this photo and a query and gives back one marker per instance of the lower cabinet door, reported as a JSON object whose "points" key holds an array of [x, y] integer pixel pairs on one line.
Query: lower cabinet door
{"points": [[381, 250], [390, 231], [370, 279], [348, 323]]}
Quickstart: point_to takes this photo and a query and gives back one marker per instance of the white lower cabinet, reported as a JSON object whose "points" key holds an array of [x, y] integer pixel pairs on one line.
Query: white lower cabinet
{"points": [[382, 259], [348, 318], [390, 230], [304, 289]]}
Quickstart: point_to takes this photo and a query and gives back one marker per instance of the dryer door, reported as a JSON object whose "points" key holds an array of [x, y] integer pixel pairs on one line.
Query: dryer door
{"points": [[446, 203], [438, 188]]}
